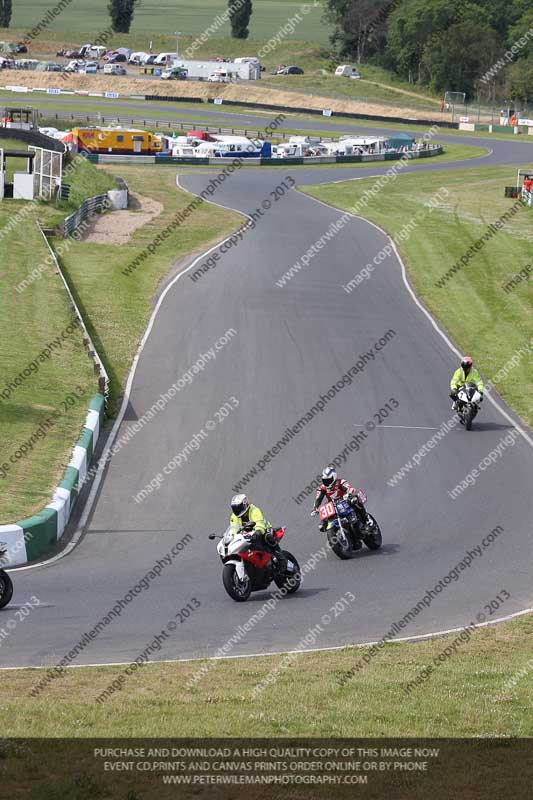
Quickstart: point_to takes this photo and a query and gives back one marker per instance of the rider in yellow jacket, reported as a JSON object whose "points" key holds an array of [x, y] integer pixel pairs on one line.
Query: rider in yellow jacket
{"points": [[245, 516], [466, 373]]}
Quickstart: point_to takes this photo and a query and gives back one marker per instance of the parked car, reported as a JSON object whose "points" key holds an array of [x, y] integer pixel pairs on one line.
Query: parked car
{"points": [[220, 76], [89, 68], [289, 71], [74, 65], [114, 69], [176, 74], [20, 48], [52, 67], [117, 58], [72, 54], [151, 59]]}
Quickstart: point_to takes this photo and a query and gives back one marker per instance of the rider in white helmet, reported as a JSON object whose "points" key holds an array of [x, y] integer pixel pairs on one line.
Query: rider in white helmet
{"points": [[250, 518], [335, 488]]}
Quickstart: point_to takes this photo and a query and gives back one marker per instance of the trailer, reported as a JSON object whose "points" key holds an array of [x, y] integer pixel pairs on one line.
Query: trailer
{"points": [[201, 70], [121, 141]]}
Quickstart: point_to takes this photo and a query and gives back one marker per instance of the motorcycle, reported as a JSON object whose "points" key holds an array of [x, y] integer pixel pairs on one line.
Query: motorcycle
{"points": [[344, 532], [6, 584], [468, 404], [250, 567]]}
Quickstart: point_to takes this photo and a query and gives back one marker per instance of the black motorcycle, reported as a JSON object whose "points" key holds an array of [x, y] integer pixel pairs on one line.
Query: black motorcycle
{"points": [[6, 584], [344, 531]]}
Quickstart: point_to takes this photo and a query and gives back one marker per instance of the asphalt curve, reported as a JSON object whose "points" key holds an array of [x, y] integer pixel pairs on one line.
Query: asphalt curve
{"points": [[290, 346]]}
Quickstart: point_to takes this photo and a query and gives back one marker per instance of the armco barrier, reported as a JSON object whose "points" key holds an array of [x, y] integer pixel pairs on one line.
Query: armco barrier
{"points": [[32, 538], [87, 209], [35, 138]]}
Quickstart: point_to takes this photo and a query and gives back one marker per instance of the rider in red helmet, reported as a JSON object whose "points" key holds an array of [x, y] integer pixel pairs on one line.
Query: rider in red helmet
{"points": [[466, 373]]}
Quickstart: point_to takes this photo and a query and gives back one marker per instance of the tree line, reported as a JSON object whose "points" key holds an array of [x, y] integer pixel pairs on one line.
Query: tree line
{"points": [[454, 45]]}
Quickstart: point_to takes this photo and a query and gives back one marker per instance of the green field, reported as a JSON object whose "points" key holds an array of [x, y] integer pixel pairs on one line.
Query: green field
{"points": [[188, 16], [473, 307]]}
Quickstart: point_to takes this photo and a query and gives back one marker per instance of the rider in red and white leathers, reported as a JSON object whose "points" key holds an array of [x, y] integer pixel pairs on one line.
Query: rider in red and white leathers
{"points": [[335, 488]]}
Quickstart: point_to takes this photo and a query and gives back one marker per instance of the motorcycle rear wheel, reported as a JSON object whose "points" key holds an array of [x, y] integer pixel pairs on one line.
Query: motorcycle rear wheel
{"points": [[289, 581], [6, 588], [340, 544], [238, 590]]}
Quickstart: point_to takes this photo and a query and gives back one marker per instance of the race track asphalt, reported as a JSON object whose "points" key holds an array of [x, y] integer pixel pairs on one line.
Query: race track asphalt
{"points": [[290, 346]]}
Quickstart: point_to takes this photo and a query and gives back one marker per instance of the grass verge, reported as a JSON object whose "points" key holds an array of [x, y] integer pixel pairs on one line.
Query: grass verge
{"points": [[481, 690], [479, 313], [28, 323]]}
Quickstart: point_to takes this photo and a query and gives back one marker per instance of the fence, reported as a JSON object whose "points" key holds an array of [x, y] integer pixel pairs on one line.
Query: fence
{"points": [[430, 150], [35, 138]]}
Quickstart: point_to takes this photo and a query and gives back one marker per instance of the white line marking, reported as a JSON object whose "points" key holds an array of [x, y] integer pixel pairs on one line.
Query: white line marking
{"points": [[404, 639], [407, 427]]}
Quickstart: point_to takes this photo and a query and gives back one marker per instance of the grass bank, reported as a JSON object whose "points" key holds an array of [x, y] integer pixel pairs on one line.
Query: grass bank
{"points": [[480, 314], [482, 690], [29, 323]]}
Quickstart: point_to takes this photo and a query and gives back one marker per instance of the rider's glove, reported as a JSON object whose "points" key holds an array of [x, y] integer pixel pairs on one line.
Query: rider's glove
{"points": [[314, 512]]}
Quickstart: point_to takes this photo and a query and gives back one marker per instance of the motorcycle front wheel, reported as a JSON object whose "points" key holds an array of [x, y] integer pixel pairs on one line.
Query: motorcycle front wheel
{"points": [[373, 540], [469, 416], [340, 543], [238, 590], [6, 588]]}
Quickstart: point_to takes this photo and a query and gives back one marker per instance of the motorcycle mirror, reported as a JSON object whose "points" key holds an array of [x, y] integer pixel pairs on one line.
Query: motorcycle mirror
{"points": [[212, 536]]}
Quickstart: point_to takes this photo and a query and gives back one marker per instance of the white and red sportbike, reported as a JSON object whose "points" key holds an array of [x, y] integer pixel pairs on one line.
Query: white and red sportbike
{"points": [[249, 566]]}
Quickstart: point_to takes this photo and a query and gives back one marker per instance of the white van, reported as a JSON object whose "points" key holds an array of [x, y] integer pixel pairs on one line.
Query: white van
{"points": [[165, 58], [220, 76], [247, 60], [347, 71], [137, 58]]}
